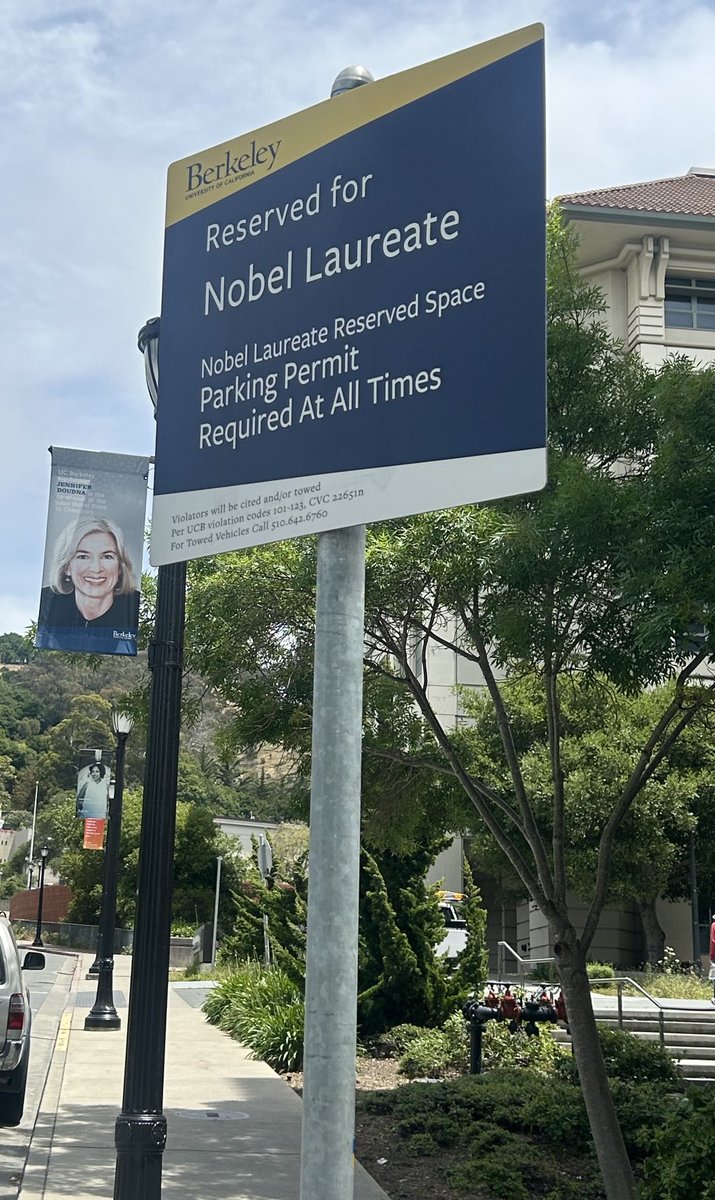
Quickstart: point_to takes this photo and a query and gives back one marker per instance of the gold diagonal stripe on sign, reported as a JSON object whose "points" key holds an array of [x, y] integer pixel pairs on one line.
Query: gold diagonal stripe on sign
{"points": [[309, 130]]}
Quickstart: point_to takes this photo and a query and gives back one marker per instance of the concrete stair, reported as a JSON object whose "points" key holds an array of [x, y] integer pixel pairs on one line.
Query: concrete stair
{"points": [[689, 1034]]}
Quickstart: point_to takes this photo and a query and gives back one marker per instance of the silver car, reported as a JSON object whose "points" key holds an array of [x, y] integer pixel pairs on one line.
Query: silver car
{"points": [[15, 1023]]}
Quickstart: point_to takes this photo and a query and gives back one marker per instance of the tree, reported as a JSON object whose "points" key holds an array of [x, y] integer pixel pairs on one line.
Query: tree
{"points": [[599, 575], [280, 901], [600, 726], [400, 979], [473, 962], [14, 648], [196, 846]]}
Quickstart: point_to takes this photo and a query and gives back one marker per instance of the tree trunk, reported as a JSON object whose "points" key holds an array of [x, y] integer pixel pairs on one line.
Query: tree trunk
{"points": [[608, 1141], [654, 936]]}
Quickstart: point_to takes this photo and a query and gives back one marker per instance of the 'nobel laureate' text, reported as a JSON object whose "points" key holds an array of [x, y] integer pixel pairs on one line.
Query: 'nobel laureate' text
{"points": [[350, 256]]}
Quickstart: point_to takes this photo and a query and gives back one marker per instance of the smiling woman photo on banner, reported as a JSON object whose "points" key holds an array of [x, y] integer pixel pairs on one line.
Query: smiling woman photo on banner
{"points": [[93, 791], [91, 601], [91, 573]]}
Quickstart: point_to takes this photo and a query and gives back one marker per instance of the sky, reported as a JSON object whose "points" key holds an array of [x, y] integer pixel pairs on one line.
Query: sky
{"points": [[97, 98]]}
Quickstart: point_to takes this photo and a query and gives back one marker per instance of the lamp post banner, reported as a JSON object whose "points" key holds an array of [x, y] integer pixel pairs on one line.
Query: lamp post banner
{"points": [[94, 834], [93, 779], [91, 576], [353, 317]]}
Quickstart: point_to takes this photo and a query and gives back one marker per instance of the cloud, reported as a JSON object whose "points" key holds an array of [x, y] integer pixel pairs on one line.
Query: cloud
{"points": [[96, 99]]}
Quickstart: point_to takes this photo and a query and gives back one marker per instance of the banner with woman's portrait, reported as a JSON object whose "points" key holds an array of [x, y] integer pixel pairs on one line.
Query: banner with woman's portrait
{"points": [[93, 778], [93, 553]]}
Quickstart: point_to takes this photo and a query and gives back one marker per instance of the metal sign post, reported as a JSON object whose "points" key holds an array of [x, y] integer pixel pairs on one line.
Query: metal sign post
{"points": [[331, 977]]}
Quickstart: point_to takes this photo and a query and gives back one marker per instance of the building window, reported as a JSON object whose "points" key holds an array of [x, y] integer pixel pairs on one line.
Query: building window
{"points": [[689, 303]]}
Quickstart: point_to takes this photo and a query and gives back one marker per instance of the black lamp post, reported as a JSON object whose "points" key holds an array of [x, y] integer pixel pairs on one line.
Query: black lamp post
{"points": [[40, 899], [140, 1130], [103, 1014]]}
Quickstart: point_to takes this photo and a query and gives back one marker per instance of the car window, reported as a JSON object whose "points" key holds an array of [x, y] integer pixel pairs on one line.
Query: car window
{"points": [[2, 966]]}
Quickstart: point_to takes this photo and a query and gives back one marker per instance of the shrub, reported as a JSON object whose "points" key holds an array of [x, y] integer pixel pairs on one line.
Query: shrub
{"points": [[670, 964], [434, 1052], [630, 1059], [421, 1144], [633, 1060], [505, 1166], [395, 1041], [273, 1034], [641, 1109], [600, 970], [543, 972], [541, 1054], [510, 1128], [261, 1008], [223, 996], [679, 1164]]}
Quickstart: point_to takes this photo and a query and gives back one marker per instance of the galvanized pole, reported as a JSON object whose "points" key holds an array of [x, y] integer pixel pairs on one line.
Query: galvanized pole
{"points": [[333, 878], [32, 835], [331, 975], [214, 931]]}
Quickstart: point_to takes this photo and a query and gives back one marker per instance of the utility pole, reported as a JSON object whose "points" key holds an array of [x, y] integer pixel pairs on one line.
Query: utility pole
{"points": [[32, 836]]}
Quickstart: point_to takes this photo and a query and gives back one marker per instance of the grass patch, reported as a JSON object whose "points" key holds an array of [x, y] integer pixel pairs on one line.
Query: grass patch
{"points": [[666, 986]]}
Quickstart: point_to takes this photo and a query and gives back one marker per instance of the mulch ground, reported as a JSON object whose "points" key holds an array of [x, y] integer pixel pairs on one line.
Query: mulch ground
{"points": [[379, 1148]]}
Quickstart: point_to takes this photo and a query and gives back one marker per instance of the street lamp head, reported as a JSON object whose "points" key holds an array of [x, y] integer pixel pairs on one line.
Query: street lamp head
{"points": [[122, 723], [148, 343], [349, 78], [45, 853]]}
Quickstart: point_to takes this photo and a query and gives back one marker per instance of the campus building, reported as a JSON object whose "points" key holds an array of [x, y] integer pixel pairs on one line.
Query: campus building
{"points": [[650, 249]]}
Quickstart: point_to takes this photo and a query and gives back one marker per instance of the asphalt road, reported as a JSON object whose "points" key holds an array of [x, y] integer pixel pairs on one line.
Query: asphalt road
{"points": [[49, 991]]}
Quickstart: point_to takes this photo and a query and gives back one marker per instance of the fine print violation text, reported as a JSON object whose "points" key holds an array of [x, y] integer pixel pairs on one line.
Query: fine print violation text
{"points": [[295, 509]]}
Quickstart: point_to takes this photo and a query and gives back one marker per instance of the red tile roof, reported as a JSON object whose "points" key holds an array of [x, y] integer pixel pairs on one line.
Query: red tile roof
{"points": [[692, 194]]}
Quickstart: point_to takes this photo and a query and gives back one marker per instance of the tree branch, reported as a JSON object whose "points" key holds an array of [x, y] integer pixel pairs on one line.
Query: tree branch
{"points": [[558, 838], [505, 843], [660, 741], [531, 830], [426, 764]]}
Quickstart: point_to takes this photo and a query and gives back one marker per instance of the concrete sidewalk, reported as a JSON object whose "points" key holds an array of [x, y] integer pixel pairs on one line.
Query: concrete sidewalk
{"points": [[233, 1125]]}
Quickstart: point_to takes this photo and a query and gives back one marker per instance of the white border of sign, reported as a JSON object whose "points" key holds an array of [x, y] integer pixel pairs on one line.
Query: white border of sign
{"points": [[216, 520]]}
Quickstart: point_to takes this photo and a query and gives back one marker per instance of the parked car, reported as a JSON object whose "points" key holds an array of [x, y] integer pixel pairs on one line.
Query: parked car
{"points": [[451, 906], [15, 1023]]}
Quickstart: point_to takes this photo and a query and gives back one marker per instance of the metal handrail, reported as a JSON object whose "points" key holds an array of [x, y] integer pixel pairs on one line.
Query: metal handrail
{"points": [[620, 980], [523, 962]]}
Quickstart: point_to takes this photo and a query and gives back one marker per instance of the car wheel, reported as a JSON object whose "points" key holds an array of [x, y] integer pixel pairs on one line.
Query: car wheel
{"points": [[11, 1107], [12, 1104]]}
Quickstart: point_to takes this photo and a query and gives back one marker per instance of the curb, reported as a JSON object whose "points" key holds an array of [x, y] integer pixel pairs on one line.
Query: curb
{"points": [[34, 1175]]}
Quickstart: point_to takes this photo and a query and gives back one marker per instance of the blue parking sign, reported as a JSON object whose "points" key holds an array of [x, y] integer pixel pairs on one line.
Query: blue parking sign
{"points": [[353, 313]]}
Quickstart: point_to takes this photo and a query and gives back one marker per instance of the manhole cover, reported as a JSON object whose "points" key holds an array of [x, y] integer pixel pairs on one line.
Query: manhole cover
{"points": [[210, 1114]]}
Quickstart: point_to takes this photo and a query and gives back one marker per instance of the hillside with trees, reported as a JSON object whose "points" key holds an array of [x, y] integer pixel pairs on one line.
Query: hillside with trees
{"points": [[54, 705]]}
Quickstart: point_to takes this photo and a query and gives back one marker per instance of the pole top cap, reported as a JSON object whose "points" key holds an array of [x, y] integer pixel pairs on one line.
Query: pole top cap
{"points": [[349, 78]]}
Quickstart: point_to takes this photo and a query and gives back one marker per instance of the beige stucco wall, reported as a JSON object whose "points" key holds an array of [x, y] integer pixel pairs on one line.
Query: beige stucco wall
{"points": [[676, 922], [618, 938]]}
